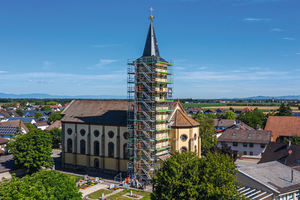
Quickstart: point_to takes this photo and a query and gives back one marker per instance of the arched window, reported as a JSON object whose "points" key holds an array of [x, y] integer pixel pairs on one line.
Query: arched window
{"points": [[96, 148], [96, 163], [125, 151], [69, 131], [195, 136], [111, 150], [96, 133], [69, 145], [82, 147], [82, 132], [111, 134], [195, 148], [125, 135], [183, 149]]}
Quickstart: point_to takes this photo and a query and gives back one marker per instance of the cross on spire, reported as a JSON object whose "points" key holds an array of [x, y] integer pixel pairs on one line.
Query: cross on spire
{"points": [[151, 17]]}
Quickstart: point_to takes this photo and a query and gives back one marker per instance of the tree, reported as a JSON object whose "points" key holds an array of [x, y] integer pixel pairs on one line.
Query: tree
{"points": [[225, 149], [19, 112], [206, 132], [284, 110], [24, 103], [255, 119], [185, 176], [229, 114], [45, 184], [52, 103], [30, 126], [55, 134], [40, 103], [32, 151], [295, 139], [37, 115], [19, 130], [46, 108], [55, 116]]}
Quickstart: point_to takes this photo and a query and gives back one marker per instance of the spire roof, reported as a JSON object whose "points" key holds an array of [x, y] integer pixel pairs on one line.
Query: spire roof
{"points": [[151, 46]]}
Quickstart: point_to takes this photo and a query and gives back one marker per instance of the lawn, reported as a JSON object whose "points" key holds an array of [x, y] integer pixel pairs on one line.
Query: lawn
{"points": [[146, 195], [74, 177], [98, 194]]}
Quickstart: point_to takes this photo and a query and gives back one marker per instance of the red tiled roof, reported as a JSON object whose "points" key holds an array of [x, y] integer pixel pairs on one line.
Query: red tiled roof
{"points": [[283, 126], [3, 140], [182, 120]]}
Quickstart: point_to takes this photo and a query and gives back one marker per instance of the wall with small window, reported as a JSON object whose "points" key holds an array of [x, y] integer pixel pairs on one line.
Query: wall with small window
{"points": [[247, 148], [82, 134], [96, 133]]}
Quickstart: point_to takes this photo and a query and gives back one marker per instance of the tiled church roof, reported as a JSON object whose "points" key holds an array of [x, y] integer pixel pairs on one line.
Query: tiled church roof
{"points": [[182, 120], [96, 112]]}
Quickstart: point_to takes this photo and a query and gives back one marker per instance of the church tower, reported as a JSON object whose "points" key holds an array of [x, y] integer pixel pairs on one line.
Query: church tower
{"points": [[150, 91]]}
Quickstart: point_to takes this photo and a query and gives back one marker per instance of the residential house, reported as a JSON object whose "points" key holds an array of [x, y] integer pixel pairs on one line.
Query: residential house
{"points": [[283, 126], [222, 124], [247, 109], [8, 132], [24, 119], [241, 126], [220, 110], [249, 142], [15, 123], [3, 143], [210, 111], [27, 113], [57, 124], [285, 153], [41, 125], [279, 181]]}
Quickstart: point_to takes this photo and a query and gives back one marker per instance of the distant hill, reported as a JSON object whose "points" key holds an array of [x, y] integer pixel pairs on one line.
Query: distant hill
{"points": [[290, 97], [48, 96]]}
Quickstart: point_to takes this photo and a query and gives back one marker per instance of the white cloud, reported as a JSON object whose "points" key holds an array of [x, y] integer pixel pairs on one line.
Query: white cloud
{"points": [[256, 19], [276, 29], [2, 72], [287, 38], [297, 53], [202, 67], [103, 62]]}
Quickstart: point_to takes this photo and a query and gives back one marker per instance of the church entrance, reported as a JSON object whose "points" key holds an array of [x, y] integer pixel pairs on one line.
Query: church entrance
{"points": [[96, 163]]}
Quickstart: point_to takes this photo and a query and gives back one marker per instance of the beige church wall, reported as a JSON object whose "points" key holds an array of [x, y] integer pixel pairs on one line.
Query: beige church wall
{"points": [[110, 163], [80, 137], [92, 158], [69, 158], [93, 138], [122, 140], [81, 159], [67, 136], [123, 165], [108, 140], [183, 131]]}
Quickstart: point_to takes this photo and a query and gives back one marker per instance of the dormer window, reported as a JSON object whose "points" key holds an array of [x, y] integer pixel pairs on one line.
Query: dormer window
{"points": [[250, 135], [297, 162], [234, 134]]}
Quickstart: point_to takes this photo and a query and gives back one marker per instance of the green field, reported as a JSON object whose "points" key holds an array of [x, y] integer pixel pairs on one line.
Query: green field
{"points": [[202, 105]]}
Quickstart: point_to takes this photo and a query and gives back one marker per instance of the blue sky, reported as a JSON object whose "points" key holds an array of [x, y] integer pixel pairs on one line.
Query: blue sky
{"points": [[220, 48]]}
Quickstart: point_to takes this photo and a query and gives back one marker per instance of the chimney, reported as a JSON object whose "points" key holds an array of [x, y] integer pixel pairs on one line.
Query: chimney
{"points": [[289, 144], [292, 175]]}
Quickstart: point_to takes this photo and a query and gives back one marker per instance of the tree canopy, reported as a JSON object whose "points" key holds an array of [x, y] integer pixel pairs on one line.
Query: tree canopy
{"points": [[19, 112], [32, 150], [37, 115], [30, 126], [55, 116], [185, 176], [24, 103], [52, 103], [46, 108], [206, 132], [55, 134], [255, 119], [45, 184], [295, 139], [229, 114], [284, 110]]}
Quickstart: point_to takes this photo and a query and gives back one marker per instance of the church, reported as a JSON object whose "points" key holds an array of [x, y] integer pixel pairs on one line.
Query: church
{"points": [[132, 137]]}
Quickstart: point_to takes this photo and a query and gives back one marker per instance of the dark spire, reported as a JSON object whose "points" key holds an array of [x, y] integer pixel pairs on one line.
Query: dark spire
{"points": [[151, 47]]}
